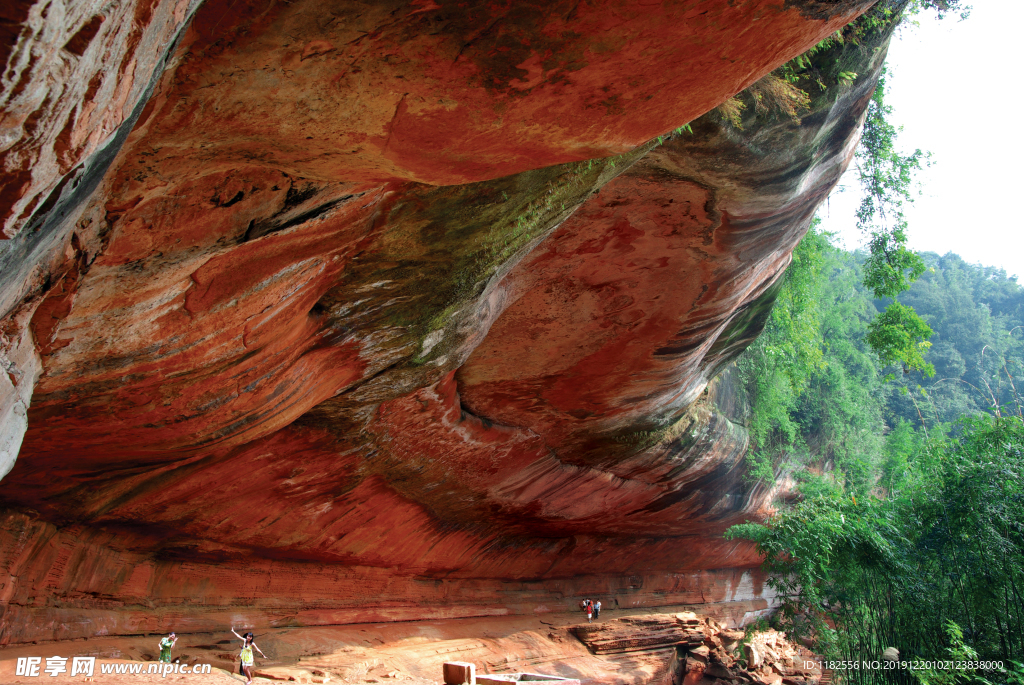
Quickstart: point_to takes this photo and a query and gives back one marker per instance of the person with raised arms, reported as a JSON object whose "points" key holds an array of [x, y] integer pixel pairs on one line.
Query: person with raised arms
{"points": [[245, 668]]}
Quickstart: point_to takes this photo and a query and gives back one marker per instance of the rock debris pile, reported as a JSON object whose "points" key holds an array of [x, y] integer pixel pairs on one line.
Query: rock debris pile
{"points": [[706, 652], [637, 633]]}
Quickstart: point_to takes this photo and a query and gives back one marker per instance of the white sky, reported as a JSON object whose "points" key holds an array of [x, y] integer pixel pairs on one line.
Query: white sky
{"points": [[954, 87]]}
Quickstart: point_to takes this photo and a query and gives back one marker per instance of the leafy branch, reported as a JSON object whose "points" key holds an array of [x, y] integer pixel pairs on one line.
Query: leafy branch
{"points": [[887, 179]]}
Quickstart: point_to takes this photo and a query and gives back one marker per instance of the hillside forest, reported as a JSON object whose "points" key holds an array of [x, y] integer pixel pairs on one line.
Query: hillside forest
{"points": [[907, 529], [885, 396]]}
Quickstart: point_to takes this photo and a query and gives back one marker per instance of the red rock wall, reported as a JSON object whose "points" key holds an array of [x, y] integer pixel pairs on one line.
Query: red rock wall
{"points": [[75, 78], [106, 588], [74, 72], [448, 92], [284, 379]]}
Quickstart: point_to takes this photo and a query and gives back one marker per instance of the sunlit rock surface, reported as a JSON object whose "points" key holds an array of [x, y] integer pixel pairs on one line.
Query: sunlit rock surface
{"points": [[408, 310], [630, 648]]}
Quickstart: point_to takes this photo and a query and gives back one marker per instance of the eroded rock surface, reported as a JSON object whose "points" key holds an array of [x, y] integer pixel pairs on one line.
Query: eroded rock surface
{"points": [[394, 310], [671, 647]]}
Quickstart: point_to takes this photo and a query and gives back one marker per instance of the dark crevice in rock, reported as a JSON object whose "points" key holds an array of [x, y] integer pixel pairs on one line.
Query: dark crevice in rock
{"points": [[78, 43], [258, 229]]}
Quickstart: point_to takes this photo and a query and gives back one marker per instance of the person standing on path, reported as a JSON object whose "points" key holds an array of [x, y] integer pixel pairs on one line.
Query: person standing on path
{"points": [[245, 668], [165, 647], [597, 610]]}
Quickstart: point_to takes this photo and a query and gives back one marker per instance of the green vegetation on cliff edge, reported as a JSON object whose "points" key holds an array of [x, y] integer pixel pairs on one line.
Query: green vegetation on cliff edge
{"points": [[908, 530], [901, 422]]}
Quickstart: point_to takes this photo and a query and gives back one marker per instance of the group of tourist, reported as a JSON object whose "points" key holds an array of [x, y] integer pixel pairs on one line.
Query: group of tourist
{"points": [[591, 609], [244, 668]]}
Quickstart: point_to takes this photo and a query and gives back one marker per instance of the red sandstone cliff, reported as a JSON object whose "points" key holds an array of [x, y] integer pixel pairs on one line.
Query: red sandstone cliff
{"points": [[393, 310]]}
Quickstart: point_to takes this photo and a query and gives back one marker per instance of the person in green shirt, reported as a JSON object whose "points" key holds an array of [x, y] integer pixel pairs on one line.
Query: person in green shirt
{"points": [[246, 655], [165, 647]]}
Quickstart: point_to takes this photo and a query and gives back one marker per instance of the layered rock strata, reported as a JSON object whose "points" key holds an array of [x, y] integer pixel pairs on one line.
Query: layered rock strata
{"points": [[75, 79], [700, 650], [693, 649], [641, 633], [364, 323]]}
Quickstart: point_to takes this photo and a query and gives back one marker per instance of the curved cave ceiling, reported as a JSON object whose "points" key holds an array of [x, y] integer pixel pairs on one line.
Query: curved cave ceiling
{"points": [[320, 312]]}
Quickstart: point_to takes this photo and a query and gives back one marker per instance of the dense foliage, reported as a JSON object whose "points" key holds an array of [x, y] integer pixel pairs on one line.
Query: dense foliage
{"points": [[814, 384], [910, 529], [977, 314], [941, 548], [884, 381]]}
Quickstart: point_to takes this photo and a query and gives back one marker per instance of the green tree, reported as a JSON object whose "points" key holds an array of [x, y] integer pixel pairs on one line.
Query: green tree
{"points": [[899, 335]]}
